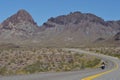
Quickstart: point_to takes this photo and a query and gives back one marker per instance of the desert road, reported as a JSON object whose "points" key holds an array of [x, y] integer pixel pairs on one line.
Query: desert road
{"points": [[112, 71]]}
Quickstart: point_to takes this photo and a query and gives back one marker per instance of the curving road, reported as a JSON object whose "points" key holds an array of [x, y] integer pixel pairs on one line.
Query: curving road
{"points": [[112, 72]]}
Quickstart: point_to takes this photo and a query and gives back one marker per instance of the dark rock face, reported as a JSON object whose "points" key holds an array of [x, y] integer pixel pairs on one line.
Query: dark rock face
{"points": [[117, 36], [76, 18], [48, 25]]}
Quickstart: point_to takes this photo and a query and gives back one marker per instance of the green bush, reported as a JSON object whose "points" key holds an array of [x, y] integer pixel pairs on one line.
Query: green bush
{"points": [[93, 63], [3, 71], [36, 67]]}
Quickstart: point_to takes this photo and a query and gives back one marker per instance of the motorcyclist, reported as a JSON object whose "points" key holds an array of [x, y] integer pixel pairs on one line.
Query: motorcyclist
{"points": [[103, 65]]}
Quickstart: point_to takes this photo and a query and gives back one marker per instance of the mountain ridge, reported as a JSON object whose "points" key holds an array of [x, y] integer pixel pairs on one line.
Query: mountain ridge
{"points": [[73, 30]]}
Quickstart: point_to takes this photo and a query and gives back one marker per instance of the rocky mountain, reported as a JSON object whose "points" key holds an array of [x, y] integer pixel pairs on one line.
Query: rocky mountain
{"points": [[79, 29], [21, 16], [18, 27], [73, 30]]}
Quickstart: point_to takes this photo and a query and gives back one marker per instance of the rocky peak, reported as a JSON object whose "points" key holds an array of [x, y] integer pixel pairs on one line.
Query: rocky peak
{"points": [[76, 18], [21, 16], [93, 17], [77, 13], [66, 19]]}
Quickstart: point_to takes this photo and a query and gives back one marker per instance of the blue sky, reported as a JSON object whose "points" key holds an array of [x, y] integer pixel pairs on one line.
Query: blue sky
{"points": [[41, 10]]}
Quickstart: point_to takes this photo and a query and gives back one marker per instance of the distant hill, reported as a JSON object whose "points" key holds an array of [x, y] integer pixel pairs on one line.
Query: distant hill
{"points": [[18, 27], [73, 30]]}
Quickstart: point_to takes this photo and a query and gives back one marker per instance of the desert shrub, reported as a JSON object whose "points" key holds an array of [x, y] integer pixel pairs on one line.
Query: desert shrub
{"points": [[3, 70], [28, 60], [92, 63], [111, 51], [35, 67]]}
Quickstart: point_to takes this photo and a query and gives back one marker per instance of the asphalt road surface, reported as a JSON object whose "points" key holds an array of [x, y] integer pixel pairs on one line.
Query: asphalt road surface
{"points": [[112, 71]]}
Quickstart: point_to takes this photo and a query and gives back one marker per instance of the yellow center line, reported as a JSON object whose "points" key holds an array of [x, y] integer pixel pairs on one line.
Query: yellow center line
{"points": [[100, 74]]}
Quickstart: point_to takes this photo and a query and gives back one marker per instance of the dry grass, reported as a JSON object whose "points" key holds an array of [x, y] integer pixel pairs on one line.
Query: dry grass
{"points": [[111, 51], [34, 60]]}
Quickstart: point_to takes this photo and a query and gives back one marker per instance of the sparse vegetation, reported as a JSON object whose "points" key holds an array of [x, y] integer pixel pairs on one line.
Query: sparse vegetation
{"points": [[34, 60], [111, 51]]}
